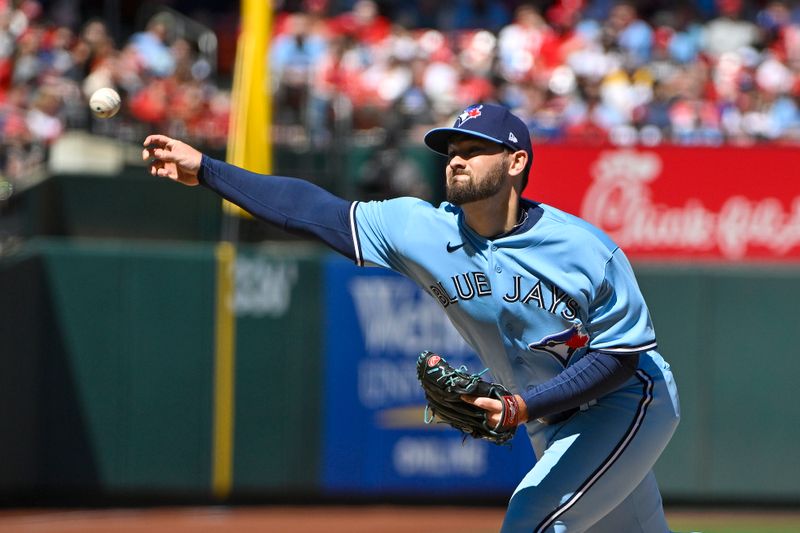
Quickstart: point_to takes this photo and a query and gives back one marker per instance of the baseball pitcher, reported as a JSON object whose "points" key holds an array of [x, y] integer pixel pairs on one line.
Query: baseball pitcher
{"points": [[549, 303]]}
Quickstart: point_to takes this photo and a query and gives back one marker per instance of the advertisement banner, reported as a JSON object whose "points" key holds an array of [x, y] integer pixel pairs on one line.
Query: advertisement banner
{"points": [[376, 441], [679, 203]]}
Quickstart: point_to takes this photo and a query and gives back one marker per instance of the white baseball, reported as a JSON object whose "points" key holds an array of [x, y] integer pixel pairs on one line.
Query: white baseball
{"points": [[105, 102]]}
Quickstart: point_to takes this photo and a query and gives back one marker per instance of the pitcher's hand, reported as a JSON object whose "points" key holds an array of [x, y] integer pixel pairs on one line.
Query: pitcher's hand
{"points": [[171, 158], [496, 414]]}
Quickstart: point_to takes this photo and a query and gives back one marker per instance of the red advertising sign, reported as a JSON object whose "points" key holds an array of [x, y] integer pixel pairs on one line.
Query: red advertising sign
{"points": [[726, 203]]}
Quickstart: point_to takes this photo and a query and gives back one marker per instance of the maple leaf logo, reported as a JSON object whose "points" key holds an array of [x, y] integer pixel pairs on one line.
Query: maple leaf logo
{"points": [[469, 113], [564, 344]]}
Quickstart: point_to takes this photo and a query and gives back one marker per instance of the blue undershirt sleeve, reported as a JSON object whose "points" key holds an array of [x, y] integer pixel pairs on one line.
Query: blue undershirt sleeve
{"points": [[594, 375], [292, 204]]}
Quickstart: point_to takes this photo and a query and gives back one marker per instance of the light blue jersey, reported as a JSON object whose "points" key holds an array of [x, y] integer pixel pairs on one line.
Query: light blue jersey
{"points": [[533, 302]]}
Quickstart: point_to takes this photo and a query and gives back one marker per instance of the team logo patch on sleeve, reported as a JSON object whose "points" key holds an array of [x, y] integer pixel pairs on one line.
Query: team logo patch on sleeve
{"points": [[563, 345]]}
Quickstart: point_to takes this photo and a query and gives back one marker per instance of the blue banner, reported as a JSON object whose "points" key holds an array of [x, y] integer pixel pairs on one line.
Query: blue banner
{"points": [[376, 440]]}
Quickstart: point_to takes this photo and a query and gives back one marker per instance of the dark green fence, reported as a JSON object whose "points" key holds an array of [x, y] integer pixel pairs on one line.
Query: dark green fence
{"points": [[279, 332], [106, 373], [729, 335], [109, 366]]}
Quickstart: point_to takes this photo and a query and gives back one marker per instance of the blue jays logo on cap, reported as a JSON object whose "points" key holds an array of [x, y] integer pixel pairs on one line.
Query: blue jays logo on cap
{"points": [[468, 113], [492, 122]]}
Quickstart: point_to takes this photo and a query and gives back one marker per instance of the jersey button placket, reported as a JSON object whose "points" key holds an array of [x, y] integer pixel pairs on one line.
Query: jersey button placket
{"points": [[497, 267]]}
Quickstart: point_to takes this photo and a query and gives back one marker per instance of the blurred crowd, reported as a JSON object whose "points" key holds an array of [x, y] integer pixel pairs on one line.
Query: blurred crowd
{"points": [[590, 71], [49, 70]]}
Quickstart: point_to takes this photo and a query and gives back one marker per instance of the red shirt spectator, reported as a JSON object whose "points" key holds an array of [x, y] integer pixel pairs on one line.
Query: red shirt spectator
{"points": [[364, 23]]}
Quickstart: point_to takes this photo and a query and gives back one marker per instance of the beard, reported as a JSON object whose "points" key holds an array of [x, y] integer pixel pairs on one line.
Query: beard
{"points": [[472, 190]]}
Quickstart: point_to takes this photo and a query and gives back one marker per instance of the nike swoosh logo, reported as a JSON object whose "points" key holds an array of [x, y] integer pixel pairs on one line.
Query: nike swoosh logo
{"points": [[452, 249]]}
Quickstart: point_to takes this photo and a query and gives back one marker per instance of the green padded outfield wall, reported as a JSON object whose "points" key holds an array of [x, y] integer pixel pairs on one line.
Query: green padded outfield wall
{"points": [[107, 369], [24, 315], [111, 361], [278, 370], [130, 205], [106, 372], [728, 332]]}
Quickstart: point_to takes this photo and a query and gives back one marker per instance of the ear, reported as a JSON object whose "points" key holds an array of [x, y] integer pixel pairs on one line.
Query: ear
{"points": [[519, 160]]}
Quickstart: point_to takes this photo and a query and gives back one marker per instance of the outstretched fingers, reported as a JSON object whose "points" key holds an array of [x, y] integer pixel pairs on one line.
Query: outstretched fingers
{"points": [[158, 147], [170, 158], [161, 140]]}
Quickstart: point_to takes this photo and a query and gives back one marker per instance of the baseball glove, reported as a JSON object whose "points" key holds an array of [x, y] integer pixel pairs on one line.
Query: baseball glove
{"points": [[444, 386]]}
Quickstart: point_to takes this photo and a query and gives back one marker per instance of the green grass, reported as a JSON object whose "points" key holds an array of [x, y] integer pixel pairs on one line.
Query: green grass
{"points": [[734, 521], [731, 528]]}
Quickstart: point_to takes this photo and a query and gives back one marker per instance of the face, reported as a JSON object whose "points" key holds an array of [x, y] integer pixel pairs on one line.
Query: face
{"points": [[476, 169]]}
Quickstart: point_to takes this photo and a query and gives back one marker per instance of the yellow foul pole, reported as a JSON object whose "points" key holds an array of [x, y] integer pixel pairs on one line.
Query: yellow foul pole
{"points": [[250, 147]]}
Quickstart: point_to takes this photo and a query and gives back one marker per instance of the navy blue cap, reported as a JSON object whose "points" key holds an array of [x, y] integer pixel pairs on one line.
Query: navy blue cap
{"points": [[487, 121]]}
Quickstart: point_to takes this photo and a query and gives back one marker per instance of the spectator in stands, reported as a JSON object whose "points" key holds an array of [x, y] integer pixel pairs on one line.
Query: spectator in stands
{"points": [[413, 106], [729, 32], [336, 86], [780, 32], [7, 45], [630, 34], [294, 55], [188, 67], [441, 75], [388, 80], [472, 86], [676, 39], [13, 111], [363, 23], [581, 70], [655, 114], [56, 50], [565, 38], [43, 119], [152, 46], [28, 64], [519, 44], [79, 54], [151, 104], [96, 35], [592, 122]]}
